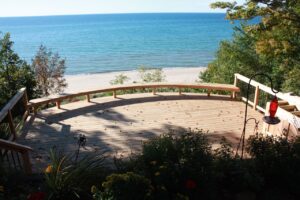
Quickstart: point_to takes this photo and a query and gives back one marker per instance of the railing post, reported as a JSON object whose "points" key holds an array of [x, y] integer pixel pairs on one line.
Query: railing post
{"points": [[11, 125], [233, 94], [154, 91], [256, 97], [58, 104], [35, 110], [114, 94], [88, 98], [208, 92], [26, 103], [26, 162]]}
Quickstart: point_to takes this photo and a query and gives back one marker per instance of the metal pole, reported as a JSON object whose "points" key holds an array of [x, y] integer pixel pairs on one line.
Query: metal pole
{"points": [[242, 139]]}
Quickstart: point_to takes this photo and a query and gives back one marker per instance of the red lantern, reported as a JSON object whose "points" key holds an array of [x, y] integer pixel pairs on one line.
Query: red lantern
{"points": [[273, 107]]}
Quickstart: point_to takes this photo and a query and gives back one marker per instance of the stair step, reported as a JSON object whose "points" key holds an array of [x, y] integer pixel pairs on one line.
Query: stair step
{"points": [[297, 113], [283, 103], [288, 107]]}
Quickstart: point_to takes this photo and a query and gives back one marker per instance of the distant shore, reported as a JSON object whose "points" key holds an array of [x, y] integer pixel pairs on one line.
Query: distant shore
{"points": [[85, 82]]}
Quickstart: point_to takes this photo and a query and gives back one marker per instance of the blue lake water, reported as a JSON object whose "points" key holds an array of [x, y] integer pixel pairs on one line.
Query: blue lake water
{"points": [[117, 42]]}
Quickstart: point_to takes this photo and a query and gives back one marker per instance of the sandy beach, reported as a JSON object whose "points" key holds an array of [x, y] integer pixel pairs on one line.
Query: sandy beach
{"points": [[85, 82]]}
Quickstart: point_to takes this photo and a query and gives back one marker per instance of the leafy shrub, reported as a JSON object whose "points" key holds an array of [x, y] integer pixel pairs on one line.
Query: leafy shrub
{"points": [[119, 79], [233, 176], [49, 71], [66, 179], [124, 186], [181, 166], [151, 74], [277, 160], [186, 167], [176, 165]]}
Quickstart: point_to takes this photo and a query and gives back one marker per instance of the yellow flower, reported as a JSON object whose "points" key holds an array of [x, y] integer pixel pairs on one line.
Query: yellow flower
{"points": [[48, 169], [1, 188], [157, 174], [93, 189]]}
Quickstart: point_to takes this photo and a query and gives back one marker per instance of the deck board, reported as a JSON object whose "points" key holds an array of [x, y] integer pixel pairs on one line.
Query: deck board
{"points": [[120, 125]]}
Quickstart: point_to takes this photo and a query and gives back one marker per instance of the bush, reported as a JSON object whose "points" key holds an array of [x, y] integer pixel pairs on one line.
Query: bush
{"points": [[176, 165], [124, 186], [49, 71], [119, 79], [186, 167], [277, 161], [182, 166], [151, 75]]}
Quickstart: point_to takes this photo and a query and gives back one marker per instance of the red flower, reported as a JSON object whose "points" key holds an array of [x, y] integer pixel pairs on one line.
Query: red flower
{"points": [[36, 196], [190, 184]]}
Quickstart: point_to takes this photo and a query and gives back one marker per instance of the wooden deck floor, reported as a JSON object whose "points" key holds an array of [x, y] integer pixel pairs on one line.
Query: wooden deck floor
{"points": [[119, 126]]}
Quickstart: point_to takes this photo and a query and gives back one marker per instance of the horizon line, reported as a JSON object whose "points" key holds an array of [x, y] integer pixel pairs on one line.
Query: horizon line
{"points": [[61, 15]]}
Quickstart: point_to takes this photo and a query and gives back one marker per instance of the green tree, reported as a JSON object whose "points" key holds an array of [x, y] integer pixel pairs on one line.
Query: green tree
{"points": [[49, 71], [15, 73], [269, 43]]}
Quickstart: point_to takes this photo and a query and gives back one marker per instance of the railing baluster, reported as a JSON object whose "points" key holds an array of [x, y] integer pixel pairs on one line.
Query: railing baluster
{"points": [[11, 125], [256, 97], [14, 148], [19, 162], [13, 158], [7, 160], [26, 163], [235, 84]]}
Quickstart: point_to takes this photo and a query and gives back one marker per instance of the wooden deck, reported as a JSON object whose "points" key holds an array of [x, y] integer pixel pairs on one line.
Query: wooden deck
{"points": [[119, 126]]}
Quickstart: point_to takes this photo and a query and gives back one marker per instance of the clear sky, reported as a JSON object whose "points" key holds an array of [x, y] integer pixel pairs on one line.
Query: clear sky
{"points": [[67, 7]]}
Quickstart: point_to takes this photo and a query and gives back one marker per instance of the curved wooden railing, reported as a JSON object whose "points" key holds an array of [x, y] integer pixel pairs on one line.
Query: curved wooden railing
{"points": [[35, 103]]}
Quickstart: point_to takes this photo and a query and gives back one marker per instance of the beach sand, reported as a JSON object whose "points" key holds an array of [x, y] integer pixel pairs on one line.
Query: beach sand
{"points": [[85, 82]]}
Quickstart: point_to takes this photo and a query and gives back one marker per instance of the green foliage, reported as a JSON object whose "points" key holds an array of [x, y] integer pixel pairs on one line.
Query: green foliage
{"points": [[15, 73], [277, 160], [178, 167], [175, 167], [49, 71], [172, 162], [292, 82], [185, 167], [151, 75], [66, 179], [124, 186], [272, 45], [119, 79]]}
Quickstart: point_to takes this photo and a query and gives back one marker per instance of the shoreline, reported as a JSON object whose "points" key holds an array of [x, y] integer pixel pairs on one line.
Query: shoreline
{"points": [[83, 82]]}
